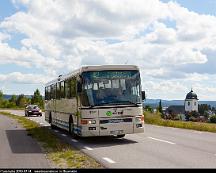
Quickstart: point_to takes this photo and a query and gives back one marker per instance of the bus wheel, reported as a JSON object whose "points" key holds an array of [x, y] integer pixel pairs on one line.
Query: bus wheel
{"points": [[120, 136], [71, 128], [50, 121]]}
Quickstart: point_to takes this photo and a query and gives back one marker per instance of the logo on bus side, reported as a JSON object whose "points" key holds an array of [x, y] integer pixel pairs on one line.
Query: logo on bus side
{"points": [[108, 113]]}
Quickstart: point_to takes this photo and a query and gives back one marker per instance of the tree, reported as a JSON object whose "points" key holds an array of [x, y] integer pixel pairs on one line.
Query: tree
{"points": [[12, 102], [1, 98], [21, 101], [202, 108], [37, 98], [213, 109], [160, 107], [148, 108], [13, 99], [1, 95]]}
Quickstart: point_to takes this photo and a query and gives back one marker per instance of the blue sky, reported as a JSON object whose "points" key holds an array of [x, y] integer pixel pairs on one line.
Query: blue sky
{"points": [[199, 6], [173, 42]]}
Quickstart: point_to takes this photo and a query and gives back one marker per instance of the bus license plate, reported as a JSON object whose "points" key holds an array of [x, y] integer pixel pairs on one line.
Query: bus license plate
{"points": [[117, 132]]}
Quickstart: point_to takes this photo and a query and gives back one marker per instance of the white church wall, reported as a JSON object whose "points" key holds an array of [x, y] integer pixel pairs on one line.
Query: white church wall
{"points": [[192, 106]]}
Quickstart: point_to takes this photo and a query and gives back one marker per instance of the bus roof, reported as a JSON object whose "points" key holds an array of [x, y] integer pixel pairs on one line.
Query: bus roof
{"points": [[92, 68]]}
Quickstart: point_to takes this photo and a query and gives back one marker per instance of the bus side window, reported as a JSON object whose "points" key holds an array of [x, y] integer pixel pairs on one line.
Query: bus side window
{"points": [[62, 88], [58, 91], [73, 87], [54, 90], [48, 93], [51, 92], [67, 88]]}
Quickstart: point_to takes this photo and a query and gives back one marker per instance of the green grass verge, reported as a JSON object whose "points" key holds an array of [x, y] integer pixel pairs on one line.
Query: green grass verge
{"points": [[154, 118], [59, 153]]}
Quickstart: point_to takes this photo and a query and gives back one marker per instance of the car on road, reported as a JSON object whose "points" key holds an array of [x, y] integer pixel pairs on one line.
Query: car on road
{"points": [[33, 110]]}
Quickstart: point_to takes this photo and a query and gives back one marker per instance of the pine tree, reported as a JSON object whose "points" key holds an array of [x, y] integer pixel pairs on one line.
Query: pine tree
{"points": [[13, 99], [21, 101], [37, 98], [160, 107], [1, 98]]}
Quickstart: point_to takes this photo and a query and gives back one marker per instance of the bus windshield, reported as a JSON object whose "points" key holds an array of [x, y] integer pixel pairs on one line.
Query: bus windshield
{"points": [[111, 88]]}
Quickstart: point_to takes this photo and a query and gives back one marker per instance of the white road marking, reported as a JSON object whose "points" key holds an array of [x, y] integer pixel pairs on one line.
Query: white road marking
{"points": [[109, 160], [63, 134], [74, 140], [88, 148], [161, 140], [198, 132]]}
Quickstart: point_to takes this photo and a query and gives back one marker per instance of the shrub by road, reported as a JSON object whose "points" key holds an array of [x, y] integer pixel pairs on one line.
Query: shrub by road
{"points": [[155, 118]]}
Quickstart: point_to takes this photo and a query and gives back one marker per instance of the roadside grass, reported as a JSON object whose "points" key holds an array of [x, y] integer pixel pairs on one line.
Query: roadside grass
{"points": [[13, 108], [61, 154], [155, 118]]}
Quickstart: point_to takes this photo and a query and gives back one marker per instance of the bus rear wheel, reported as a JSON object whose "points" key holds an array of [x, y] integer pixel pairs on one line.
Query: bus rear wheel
{"points": [[71, 128], [50, 121]]}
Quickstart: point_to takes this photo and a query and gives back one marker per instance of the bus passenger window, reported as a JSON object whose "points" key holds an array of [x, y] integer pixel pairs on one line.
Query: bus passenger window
{"points": [[73, 87], [67, 89], [108, 84], [115, 83], [58, 91], [122, 83], [62, 95], [95, 86]]}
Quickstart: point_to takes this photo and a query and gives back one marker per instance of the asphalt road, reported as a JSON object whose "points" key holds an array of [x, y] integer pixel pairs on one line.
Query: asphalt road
{"points": [[158, 147], [17, 149]]}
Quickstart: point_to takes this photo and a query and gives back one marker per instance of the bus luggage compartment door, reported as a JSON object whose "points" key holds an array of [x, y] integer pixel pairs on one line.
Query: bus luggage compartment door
{"points": [[116, 126]]}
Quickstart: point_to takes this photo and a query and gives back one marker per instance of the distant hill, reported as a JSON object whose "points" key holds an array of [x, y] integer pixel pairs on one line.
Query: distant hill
{"points": [[166, 103], [7, 97]]}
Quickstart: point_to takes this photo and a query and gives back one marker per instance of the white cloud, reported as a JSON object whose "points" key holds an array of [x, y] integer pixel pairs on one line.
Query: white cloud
{"points": [[17, 77], [62, 35]]}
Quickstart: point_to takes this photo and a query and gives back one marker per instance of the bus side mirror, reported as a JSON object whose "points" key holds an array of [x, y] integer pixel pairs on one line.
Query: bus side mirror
{"points": [[79, 87], [143, 95]]}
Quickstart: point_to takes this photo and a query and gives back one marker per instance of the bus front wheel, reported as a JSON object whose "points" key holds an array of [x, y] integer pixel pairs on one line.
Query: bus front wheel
{"points": [[120, 136]]}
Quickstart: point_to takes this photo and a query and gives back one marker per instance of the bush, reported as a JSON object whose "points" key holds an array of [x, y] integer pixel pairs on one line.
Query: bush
{"points": [[213, 119], [157, 120]]}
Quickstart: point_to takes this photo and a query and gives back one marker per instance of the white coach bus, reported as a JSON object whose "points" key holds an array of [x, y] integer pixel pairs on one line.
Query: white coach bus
{"points": [[96, 101]]}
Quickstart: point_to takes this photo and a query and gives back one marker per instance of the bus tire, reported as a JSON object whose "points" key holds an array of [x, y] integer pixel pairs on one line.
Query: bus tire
{"points": [[50, 121], [120, 136], [71, 127]]}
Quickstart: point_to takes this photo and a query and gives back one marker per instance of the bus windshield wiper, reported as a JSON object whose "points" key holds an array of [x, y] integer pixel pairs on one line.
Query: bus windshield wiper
{"points": [[132, 102]]}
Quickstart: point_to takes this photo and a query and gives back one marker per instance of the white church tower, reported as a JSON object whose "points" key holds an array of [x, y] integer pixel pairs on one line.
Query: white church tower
{"points": [[191, 102]]}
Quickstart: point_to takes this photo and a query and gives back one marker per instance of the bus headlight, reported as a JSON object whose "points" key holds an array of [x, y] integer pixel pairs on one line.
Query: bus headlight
{"points": [[92, 122], [88, 121]]}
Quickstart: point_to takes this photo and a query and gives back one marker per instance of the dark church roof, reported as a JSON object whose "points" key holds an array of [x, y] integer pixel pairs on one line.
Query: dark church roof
{"points": [[191, 95], [176, 109]]}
